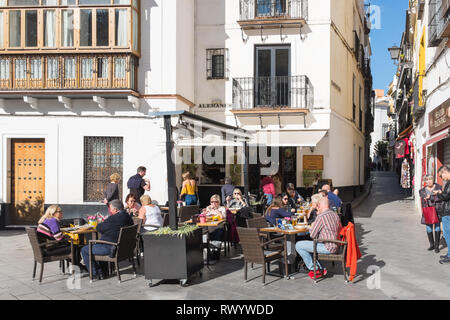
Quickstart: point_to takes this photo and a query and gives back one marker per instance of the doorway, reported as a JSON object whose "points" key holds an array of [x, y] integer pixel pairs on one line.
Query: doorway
{"points": [[27, 180], [272, 81]]}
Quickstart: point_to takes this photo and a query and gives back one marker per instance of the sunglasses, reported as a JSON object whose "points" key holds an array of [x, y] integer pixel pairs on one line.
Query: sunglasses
{"points": [[285, 199], [215, 201], [237, 193]]}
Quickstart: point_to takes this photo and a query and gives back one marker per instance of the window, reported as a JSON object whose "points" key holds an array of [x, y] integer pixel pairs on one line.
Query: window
{"points": [[103, 156], [35, 69], [135, 31], [353, 98], [102, 68], [86, 68], [216, 63], [49, 28], [121, 30], [14, 28], [52, 68], [21, 69], [67, 27], [360, 109], [2, 44], [23, 2], [31, 27], [103, 27], [85, 28], [4, 69]]}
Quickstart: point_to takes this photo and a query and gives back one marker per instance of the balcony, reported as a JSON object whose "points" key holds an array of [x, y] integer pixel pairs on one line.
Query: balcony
{"points": [[71, 73], [419, 107], [256, 14], [288, 94]]}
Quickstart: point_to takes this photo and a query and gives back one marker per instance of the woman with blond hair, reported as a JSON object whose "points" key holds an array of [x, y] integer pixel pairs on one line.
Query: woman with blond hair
{"points": [[150, 214], [112, 189], [48, 225], [189, 189]]}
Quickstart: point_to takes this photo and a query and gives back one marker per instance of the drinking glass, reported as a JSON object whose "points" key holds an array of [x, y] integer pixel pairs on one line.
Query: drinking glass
{"points": [[76, 223]]}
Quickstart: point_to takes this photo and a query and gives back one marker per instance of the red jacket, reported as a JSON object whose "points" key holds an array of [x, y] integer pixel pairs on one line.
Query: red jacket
{"points": [[353, 254], [268, 186]]}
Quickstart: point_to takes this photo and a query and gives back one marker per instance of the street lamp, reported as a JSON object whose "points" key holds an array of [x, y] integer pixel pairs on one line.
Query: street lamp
{"points": [[395, 52]]}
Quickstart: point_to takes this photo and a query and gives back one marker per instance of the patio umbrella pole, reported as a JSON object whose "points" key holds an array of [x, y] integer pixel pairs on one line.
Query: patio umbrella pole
{"points": [[171, 182]]}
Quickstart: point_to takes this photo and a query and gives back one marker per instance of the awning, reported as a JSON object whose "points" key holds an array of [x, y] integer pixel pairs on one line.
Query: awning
{"points": [[404, 133], [307, 138], [438, 137]]}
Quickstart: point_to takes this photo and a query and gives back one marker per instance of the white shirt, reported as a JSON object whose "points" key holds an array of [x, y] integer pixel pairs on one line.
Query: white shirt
{"points": [[153, 216]]}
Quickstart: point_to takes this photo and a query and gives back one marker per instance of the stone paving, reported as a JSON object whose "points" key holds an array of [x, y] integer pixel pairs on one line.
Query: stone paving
{"points": [[392, 241]]}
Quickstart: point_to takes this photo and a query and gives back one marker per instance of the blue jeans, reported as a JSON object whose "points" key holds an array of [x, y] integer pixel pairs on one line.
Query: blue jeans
{"points": [[97, 250], [190, 199], [437, 227], [446, 231], [269, 197], [306, 248]]}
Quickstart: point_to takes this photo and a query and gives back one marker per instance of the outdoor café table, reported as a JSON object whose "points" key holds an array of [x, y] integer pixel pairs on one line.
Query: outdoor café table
{"points": [[81, 232], [205, 227], [290, 240]]}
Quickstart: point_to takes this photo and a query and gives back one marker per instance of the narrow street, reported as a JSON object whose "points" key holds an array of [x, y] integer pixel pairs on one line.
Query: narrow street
{"points": [[392, 241]]}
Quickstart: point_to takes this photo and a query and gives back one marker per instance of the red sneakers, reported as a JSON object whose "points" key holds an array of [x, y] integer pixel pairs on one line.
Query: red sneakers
{"points": [[319, 273]]}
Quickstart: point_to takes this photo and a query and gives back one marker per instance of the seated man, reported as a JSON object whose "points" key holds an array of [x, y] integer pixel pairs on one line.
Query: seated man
{"points": [[110, 230], [326, 226], [335, 201]]}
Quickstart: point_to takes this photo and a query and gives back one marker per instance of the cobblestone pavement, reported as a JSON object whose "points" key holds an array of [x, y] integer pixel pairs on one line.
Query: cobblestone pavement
{"points": [[395, 265]]}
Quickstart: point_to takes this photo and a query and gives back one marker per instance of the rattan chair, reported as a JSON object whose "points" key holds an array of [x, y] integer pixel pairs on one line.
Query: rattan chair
{"points": [[47, 251], [185, 213], [259, 222], [253, 250], [139, 246], [125, 249], [339, 256]]}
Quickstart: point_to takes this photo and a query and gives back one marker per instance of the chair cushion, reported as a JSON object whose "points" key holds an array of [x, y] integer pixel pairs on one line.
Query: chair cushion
{"points": [[56, 251]]}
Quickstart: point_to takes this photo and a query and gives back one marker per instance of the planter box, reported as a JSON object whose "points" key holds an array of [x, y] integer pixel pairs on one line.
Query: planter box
{"points": [[172, 257]]}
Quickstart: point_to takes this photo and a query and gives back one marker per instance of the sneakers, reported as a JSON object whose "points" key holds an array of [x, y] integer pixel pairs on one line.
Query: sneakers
{"points": [[445, 260], [319, 273]]}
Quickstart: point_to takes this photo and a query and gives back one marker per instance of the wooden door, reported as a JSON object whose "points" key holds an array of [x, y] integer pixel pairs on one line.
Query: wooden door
{"points": [[28, 180]]}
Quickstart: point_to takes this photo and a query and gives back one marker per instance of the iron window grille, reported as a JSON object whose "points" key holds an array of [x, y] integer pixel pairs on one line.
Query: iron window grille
{"points": [[217, 63], [103, 156]]}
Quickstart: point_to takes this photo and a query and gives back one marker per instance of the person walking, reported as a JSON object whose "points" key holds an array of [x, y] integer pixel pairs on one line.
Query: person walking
{"points": [[227, 190], [268, 187], [112, 189], [137, 184], [444, 195], [189, 189], [430, 207]]}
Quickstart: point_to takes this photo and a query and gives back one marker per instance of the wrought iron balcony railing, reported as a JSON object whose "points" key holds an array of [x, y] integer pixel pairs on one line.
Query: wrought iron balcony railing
{"points": [[69, 72], [273, 92], [257, 9]]}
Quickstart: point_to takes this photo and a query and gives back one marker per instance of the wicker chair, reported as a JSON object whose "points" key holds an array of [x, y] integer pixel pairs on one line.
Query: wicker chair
{"points": [[253, 250], [139, 245], [43, 252], [185, 213], [339, 256], [125, 249], [259, 222]]}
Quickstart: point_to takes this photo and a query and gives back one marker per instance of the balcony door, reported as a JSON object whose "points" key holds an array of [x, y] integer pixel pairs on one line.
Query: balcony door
{"points": [[272, 82], [270, 8]]}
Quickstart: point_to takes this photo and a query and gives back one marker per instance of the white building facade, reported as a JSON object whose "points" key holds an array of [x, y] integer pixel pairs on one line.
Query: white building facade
{"points": [[80, 105]]}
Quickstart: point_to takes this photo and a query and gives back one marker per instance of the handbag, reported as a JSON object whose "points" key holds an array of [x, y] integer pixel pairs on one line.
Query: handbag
{"points": [[430, 215]]}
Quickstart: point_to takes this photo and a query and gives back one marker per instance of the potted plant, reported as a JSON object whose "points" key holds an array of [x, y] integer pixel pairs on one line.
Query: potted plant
{"points": [[173, 254]]}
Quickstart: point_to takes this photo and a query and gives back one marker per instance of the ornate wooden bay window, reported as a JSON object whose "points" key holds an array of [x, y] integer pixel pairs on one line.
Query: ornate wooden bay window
{"points": [[46, 72], [69, 25]]}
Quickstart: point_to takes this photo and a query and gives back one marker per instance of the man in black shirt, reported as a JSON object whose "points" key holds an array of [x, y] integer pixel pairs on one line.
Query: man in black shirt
{"points": [[137, 183], [110, 230]]}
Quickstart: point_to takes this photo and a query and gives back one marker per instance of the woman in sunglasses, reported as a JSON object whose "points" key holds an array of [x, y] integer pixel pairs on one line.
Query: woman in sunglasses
{"points": [[287, 205], [215, 210], [48, 225], [238, 202]]}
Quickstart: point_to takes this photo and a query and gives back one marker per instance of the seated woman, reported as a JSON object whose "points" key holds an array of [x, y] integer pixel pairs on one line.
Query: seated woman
{"points": [[287, 205], [189, 189], [131, 205], [315, 199], [150, 214], [238, 202], [214, 209], [48, 225], [276, 211]]}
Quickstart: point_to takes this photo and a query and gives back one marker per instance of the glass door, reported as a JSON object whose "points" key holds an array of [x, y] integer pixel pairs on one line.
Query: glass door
{"points": [[272, 82]]}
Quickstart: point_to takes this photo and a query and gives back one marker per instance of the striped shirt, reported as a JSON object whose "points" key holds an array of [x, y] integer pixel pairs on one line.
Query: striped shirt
{"points": [[50, 228], [327, 226]]}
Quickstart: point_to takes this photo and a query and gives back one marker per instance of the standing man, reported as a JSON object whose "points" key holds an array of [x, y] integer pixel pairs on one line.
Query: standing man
{"points": [[137, 184], [444, 195], [109, 230], [227, 191], [335, 201], [326, 227]]}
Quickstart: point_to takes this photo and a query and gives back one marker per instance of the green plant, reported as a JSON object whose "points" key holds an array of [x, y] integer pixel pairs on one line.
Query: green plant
{"points": [[185, 230], [381, 149]]}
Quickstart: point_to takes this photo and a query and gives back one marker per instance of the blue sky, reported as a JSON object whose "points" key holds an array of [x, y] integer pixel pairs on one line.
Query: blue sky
{"points": [[392, 22]]}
